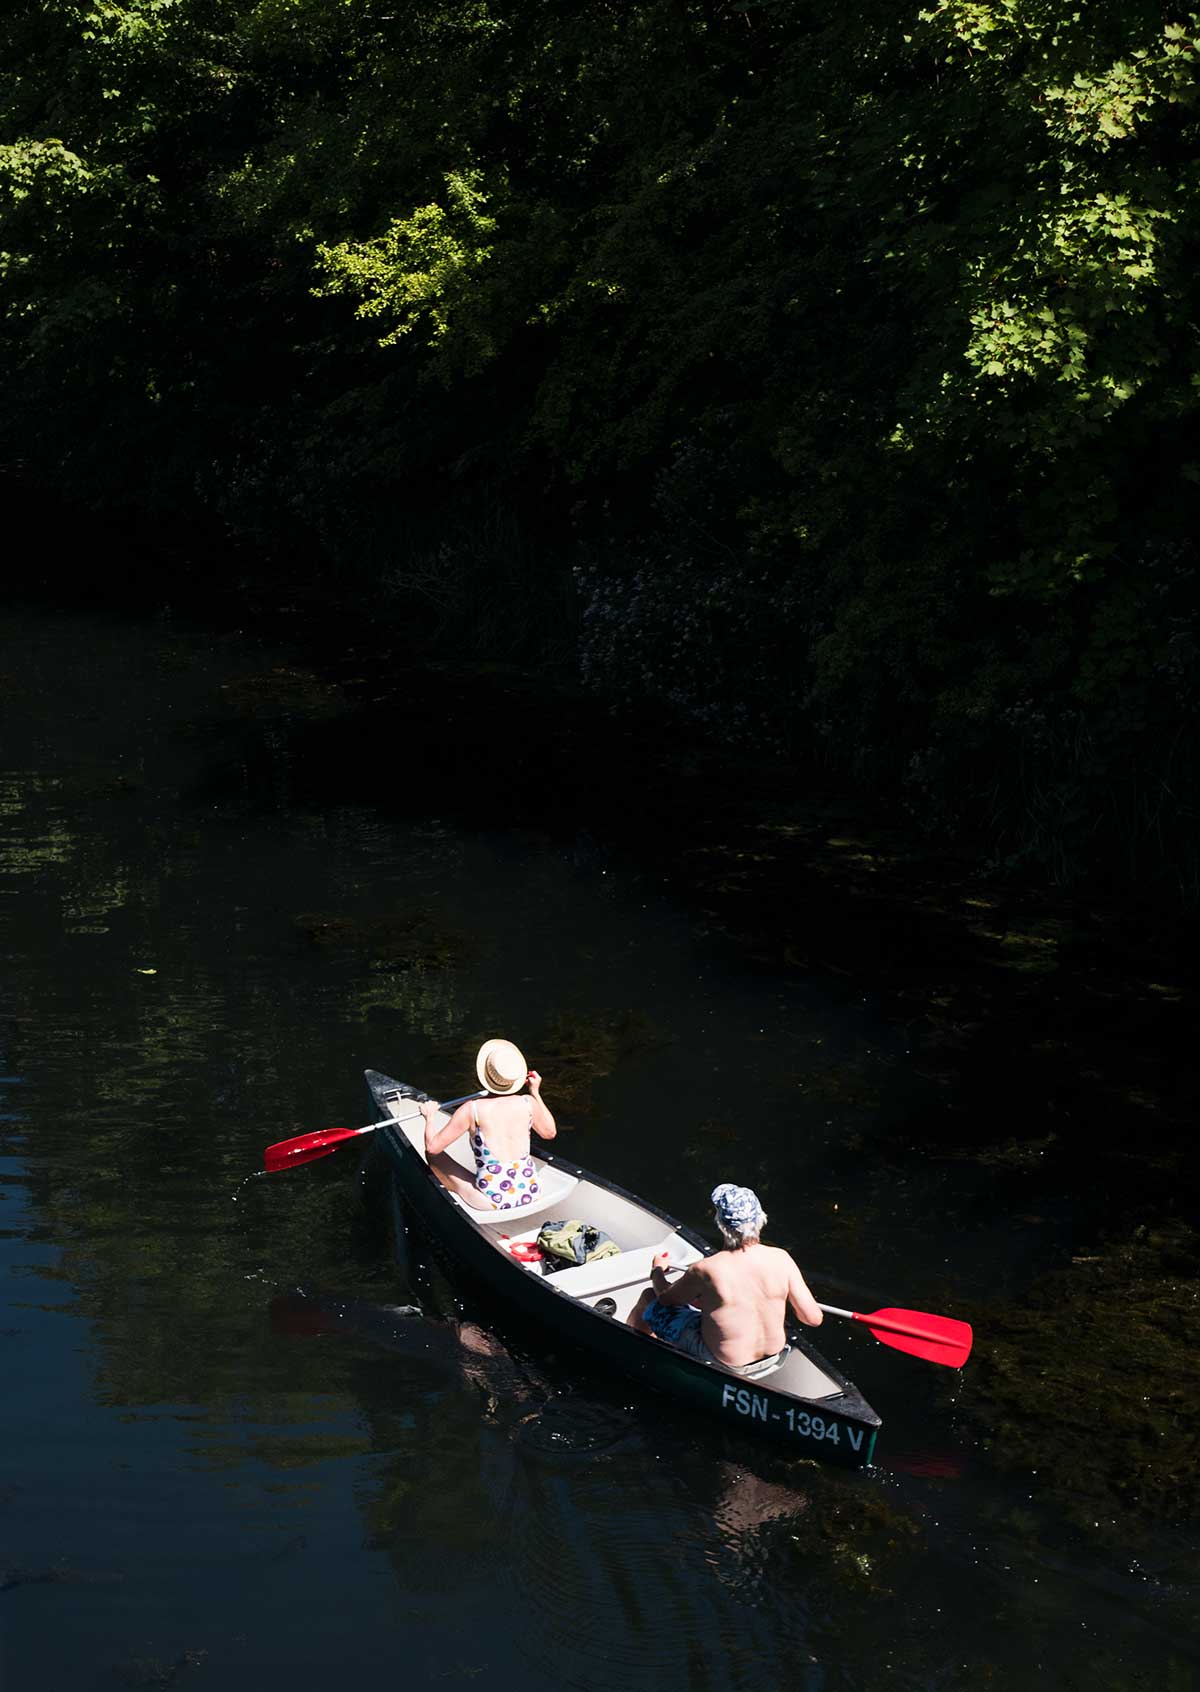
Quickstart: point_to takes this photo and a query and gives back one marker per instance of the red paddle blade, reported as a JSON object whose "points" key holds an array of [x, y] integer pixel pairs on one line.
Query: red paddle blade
{"points": [[305, 1148], [938, 1339]]}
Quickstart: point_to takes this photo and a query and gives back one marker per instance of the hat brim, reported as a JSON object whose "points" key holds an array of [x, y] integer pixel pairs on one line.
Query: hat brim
{"points": [[485, 1052]]}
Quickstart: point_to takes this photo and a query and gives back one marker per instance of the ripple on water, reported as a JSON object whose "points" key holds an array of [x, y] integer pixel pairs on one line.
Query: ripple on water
{"points": [[569, 1429], [633, 1573]]}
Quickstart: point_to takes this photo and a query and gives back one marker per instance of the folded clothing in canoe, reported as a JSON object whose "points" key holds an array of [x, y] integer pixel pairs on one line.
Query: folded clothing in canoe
{"points": [[575, 1242]]}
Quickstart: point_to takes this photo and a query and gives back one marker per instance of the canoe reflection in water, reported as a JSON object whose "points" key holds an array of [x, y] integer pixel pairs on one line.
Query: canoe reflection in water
{"points": [[546, 1420], [563, 1508], [458, 1348]]}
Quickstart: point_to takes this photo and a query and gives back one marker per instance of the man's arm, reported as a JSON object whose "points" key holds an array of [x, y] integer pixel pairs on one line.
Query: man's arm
{"points": [[684, 1289], [801, 1300]]}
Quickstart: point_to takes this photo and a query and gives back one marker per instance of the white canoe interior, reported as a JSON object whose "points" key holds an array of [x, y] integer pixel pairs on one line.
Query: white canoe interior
{"points": [[640, 1234]]}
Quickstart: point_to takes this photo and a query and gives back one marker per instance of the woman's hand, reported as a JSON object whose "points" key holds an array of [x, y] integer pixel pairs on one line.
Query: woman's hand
{"points": [[535, 1083], [429, 1109], [661, 1260]]}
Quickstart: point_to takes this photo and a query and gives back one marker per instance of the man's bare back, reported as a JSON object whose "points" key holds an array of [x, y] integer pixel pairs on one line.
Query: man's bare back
{"points": [[729, 1308], [743, 1296]]}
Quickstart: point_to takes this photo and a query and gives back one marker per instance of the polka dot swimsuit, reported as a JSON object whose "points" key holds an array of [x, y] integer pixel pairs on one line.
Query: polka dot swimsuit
{"points": [[510, 1186]]}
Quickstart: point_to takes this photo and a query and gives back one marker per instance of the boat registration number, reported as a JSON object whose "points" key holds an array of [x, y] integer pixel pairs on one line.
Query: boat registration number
{"points": [[744, 1401]]}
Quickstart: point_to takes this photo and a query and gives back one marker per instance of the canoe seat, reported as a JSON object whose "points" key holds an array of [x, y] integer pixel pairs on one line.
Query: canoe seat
{"points": [[556, 1186], [631, 1268]]}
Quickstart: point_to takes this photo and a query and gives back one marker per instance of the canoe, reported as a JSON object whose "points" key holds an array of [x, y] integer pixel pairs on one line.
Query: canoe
{"points": [[804, 1403]]}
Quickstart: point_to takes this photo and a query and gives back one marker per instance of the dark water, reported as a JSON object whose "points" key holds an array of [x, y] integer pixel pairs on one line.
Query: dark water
{"points": [[243, 1446]]}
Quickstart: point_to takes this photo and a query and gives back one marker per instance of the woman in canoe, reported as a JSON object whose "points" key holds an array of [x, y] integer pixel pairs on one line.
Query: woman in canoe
{"points": [[500, 1127]]}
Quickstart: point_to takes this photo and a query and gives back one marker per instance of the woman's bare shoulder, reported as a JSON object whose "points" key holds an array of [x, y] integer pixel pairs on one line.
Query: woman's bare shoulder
{"points": [[510, 1110], [496, 1104]]}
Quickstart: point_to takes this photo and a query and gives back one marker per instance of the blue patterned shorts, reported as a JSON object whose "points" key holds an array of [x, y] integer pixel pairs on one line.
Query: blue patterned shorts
{"points": [[678, 1325]]}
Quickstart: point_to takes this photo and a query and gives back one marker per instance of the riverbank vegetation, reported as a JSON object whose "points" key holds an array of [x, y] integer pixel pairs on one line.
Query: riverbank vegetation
{"points": [[826, 376], [1110, 1425]]}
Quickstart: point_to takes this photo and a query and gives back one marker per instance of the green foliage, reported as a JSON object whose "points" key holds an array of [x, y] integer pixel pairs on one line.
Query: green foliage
{"points": [[428, 268], [51, 202], [847, 357]]}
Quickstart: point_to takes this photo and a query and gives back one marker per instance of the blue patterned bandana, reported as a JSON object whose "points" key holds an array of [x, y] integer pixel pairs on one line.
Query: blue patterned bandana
{"points": [[738, 1208]]}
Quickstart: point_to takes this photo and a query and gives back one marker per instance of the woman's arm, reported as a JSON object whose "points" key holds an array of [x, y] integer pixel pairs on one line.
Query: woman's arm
{"points": [[437, 1139], [543, 1122]]}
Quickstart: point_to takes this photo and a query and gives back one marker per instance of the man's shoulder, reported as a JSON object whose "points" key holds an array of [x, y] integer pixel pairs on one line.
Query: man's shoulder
{"points": [[746, 1263], [777, 1261], [712, 1269]]}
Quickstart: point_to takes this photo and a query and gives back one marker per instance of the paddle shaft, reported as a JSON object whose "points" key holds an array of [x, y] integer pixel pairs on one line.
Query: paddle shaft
{"points": [[913, 1329], [391, 1122], [306, 1148]]}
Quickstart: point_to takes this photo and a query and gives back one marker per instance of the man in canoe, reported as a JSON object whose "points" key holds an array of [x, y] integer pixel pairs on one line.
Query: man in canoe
{"points": [[499, 1126], [729, 1308]]}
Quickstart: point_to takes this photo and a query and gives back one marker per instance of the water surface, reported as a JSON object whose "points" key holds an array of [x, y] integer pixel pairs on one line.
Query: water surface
{"points": [[241, 1441]]}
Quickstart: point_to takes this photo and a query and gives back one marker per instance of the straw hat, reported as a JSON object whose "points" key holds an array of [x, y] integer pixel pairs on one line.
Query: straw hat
{"points": [[500, 1067]]}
